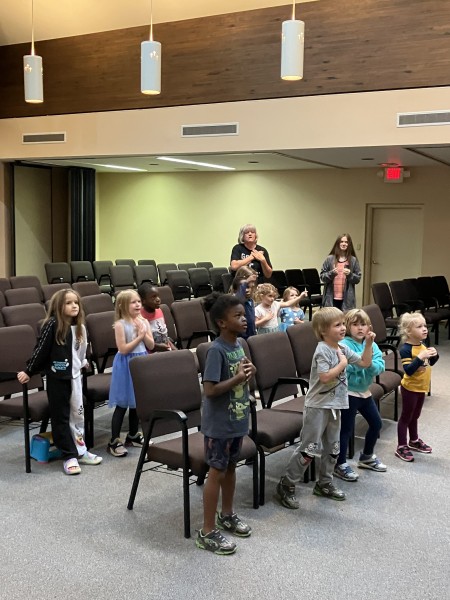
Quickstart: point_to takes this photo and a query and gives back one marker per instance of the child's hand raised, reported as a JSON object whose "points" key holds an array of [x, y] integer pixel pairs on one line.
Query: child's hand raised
{"points": [[304, 294], [370, 337], [342, 358], [249, 368]]}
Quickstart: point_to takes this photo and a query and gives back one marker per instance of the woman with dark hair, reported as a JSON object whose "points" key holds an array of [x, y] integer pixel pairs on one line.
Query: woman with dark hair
{"points": [[247, 253], [340, 273]]}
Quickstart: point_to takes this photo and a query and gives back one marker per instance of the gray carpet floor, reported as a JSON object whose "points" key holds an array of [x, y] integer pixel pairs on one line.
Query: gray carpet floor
{"points": [[67, 538]]}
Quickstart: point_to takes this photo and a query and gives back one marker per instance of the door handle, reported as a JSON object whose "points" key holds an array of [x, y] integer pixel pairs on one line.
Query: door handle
{"points": [[374, 262]]}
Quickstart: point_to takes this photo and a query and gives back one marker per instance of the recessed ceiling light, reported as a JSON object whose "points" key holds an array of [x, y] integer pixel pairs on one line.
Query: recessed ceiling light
{"points": [[153, 164], [118, 167], [367, 159], [194, 162], [253, 162]]}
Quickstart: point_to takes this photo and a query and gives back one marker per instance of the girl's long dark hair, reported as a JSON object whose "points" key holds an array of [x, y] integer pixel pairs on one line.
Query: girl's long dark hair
{"points": [[335, 250], [63, 322]]}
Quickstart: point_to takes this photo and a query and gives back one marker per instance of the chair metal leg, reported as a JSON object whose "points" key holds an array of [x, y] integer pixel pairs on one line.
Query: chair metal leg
{"points": [[137, 475], [262, 476], [255, 483], [351, 444], [186, 499], [44, 425]]}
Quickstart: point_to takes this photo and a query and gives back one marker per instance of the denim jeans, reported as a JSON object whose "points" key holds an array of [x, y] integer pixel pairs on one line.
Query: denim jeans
{"points": [[368, 409]]}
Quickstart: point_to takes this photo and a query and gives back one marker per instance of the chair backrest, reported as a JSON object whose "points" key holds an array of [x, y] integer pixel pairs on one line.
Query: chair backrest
{"points": [[16, 347], [2, 300], [440, 289], [279, 280], [49, 289], [404, 295], [101, 336], [190, 320], [25, 314], [303, 342], [312, 280], [165, 295], [101, 270], [382, 296], [170, 323], [81, 270], [273, 358], [206, 264], [145, 273], [200, 282], [378, 323], [179, 283], [58, 272], [155, 386], [22, 296], [147, 261], [97, 304], [425, 289], [186, 266], [294, 278], [87, 288], [121, 277], [227, 279], [215, 276], [126, 261], [27, 281], [163, 268], [4, 284]]}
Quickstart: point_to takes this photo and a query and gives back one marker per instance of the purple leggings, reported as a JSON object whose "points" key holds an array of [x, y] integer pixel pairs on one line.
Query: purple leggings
{"points": [[412, 407]]}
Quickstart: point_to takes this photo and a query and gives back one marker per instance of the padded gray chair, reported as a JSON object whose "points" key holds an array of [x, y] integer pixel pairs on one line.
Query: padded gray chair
{"points": [[82, 270], [18, 296], [25, 314], [179, 283], [16, 347], [191, 324], [126, 261], [147, 261], [144, 273], [186, 266], [122, 278], [87, 288], [200, 282], [206, 264], [49, 289], [165, 295], [161, 397], [58, 272], [4, 284], [215, 277], [96, 304], [162, 270], [27, 281]]}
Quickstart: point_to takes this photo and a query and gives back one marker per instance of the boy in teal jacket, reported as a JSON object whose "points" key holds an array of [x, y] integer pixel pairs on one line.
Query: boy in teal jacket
{"points": [[360, 399]]}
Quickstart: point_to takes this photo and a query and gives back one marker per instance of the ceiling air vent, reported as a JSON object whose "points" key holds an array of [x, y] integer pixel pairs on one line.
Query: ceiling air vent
{"points": [[216, 129], [421, 119], [44, 138]]}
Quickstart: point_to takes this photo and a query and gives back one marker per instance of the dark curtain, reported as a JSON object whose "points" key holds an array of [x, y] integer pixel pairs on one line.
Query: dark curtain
{"points": [[82, 210]]}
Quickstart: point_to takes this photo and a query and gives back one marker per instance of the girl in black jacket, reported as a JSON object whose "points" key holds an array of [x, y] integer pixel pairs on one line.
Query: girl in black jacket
{"points": [[60, 354]]}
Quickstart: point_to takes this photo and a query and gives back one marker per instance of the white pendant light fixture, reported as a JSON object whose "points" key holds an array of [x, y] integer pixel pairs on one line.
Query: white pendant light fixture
{"points": [[151, 63], [32, 71], [292, 48]]}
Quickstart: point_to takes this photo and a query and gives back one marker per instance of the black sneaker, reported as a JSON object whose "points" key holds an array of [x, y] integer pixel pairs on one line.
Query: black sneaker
{"points": [[136, 440], [328, 491], [233, 524], [215, 542], [286, 493], [116, 448]]}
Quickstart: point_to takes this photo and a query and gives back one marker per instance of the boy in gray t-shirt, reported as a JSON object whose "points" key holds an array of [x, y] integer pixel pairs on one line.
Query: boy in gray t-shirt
{"points": [[327, 394]]}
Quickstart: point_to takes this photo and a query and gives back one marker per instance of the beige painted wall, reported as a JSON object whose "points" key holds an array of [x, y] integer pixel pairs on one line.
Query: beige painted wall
{"points": [[5, 221], [193, 217]]}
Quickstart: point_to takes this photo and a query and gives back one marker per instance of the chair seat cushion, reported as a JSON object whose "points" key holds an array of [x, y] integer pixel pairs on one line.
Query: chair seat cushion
{"points": [[389, 380], [37, 403], [170, 452], [377, 391], [293, 405], [98, 387], [276, 427]]}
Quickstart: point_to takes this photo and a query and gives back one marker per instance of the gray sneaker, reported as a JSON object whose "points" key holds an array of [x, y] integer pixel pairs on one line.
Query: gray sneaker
{"points": [[371, 462], [233, 524], [215, 542], [286, 493], [328, 491], [345, 472]]}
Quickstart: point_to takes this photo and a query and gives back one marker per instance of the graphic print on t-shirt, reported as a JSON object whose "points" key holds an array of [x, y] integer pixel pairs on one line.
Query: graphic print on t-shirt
{"points": [[239, 401]]}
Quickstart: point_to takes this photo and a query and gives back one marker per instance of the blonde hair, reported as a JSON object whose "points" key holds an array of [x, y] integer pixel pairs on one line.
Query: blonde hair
{"points": [[356, 315], [324, 318], [288, 290], [243, 230], [122, 306], [407, 321], [263, 289], [63, 322]]}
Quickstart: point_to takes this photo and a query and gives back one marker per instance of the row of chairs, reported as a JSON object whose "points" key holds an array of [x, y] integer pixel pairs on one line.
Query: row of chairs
{"points": [[429, 295], [98, 270], [283, 362]]}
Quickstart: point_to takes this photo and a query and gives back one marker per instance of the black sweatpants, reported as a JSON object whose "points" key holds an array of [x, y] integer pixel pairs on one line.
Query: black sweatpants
{"points": [[59, 392]]}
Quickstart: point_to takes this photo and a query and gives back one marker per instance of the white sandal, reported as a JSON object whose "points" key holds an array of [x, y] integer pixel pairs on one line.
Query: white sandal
{"points": [[71, 467]]}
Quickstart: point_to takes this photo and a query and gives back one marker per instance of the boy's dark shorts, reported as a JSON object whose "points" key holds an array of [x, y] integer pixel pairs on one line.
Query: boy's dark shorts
{"points": [[220, 453]]}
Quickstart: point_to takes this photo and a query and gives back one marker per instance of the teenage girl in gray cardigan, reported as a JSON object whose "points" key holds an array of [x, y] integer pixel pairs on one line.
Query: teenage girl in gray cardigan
{"points": [[340, 273]]}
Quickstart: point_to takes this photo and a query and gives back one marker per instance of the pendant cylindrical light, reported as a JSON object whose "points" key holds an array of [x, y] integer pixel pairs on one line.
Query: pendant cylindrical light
{"points": [[32, 71], [151, 63], [292, 48]]}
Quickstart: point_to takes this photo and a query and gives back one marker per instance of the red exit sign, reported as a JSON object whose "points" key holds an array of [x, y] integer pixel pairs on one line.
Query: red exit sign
{"points": [[393, 174]]}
